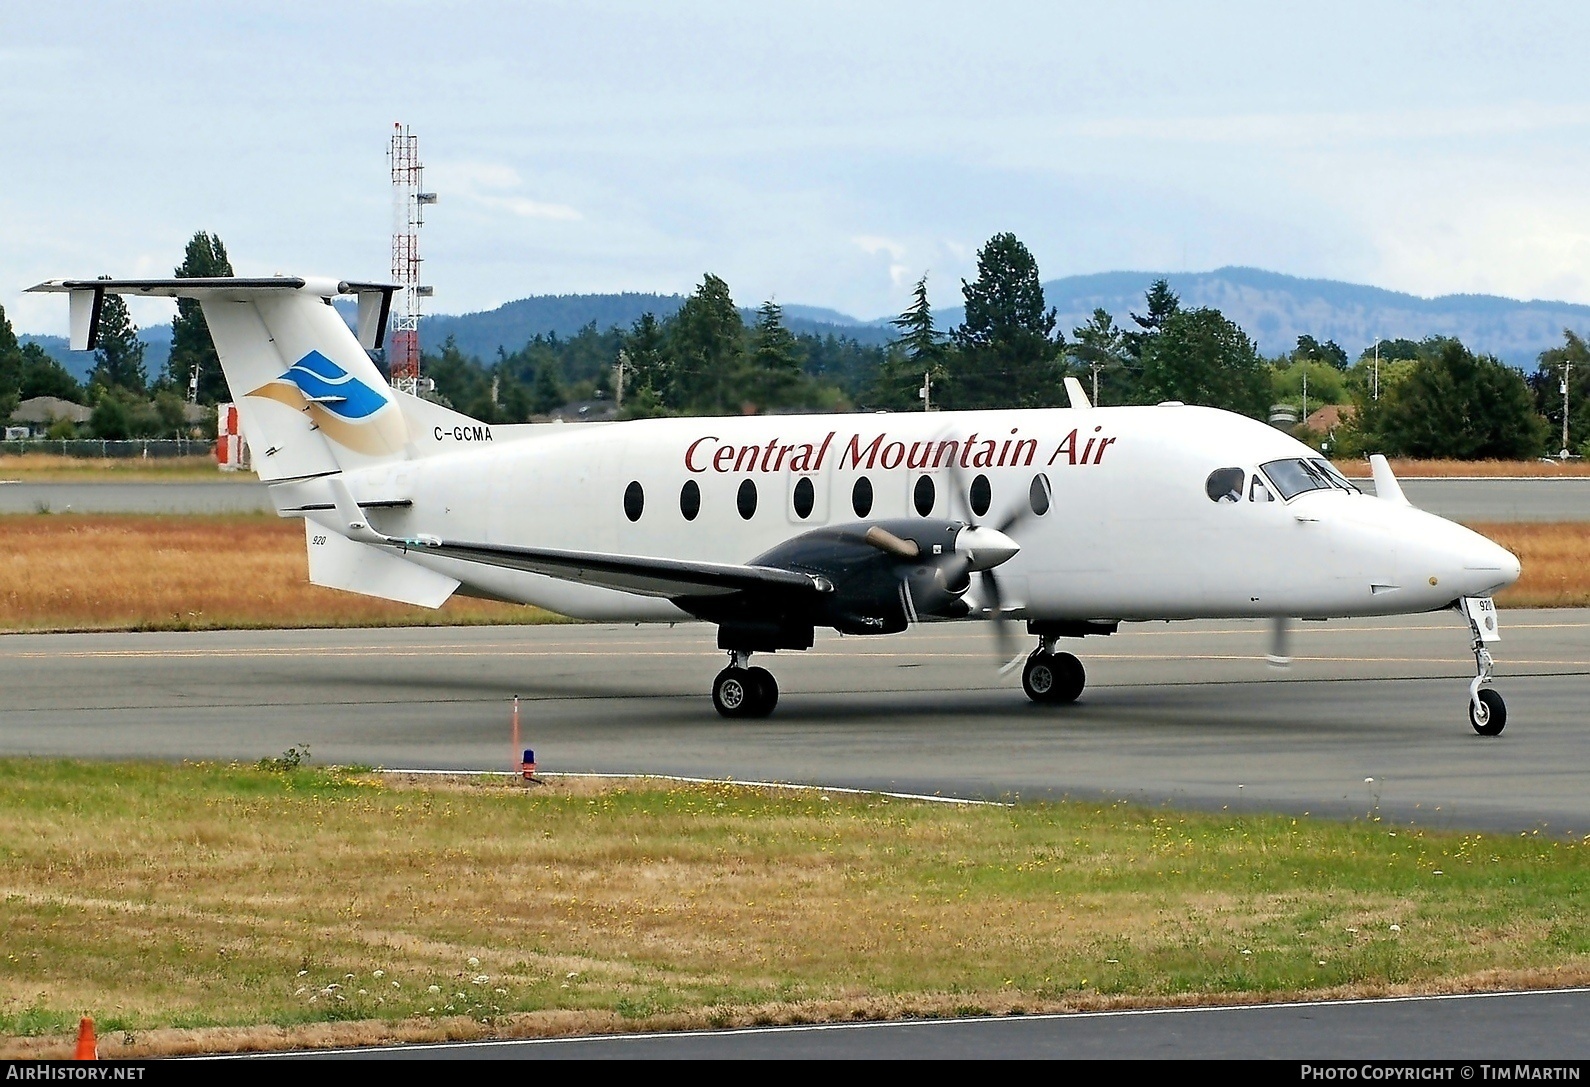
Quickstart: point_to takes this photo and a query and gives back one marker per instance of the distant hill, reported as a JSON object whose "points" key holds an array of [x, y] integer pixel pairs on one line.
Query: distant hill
{"points": [[1274, 309]]}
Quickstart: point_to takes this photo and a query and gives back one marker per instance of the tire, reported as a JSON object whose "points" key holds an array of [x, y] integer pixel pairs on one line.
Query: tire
{"points": [[735, 693], [1072, 678], [766, 694], [1040, 676], [1495, 718]]}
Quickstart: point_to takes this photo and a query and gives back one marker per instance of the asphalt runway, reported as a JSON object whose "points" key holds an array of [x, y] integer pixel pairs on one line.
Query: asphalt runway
{"points": [[1543, 1026], [1371, 717], [1474, 500]]}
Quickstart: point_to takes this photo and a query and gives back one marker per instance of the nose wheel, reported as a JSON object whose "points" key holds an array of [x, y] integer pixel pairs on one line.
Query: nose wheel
{"points": [[743, 691], [1052, 678]]}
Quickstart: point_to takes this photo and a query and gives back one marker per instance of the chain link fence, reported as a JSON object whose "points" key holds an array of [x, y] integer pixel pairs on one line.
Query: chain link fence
{"points": [[140, 448]]}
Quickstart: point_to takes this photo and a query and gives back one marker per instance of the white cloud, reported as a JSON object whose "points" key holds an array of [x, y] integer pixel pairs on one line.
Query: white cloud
{"points": [[490, 185]]}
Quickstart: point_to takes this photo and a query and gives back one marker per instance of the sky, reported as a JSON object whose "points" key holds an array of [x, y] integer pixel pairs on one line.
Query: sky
{"points": [[814, 153]]}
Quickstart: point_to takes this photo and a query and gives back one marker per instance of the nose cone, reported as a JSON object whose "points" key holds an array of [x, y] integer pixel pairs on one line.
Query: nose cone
{"points": [[1489, 566], [985, 548]]}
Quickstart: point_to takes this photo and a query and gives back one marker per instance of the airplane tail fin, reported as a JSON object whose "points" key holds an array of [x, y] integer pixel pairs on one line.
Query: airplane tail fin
{"points": [[309, 399]]}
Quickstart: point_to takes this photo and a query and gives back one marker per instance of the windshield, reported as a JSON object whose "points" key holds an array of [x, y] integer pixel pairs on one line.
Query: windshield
{"points": [[1294, 476], [1333, 475]]}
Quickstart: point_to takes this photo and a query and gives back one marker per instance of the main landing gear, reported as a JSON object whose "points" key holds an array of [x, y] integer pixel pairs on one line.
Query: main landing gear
{"points": [[743, 691], [1050, 677], [1487, 711]]}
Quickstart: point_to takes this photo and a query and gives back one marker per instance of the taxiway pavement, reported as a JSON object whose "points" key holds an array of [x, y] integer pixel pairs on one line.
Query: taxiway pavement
{"points": [[1370, 718]]}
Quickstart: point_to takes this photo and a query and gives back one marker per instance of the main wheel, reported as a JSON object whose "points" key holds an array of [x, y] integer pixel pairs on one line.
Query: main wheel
{"points": [[735, 692], [766, 694], [1072, 677], [1039, 676], [1490, 716]]}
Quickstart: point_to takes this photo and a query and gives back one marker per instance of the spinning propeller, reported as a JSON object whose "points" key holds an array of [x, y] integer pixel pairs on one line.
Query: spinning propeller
{"points": [[982, 557]]}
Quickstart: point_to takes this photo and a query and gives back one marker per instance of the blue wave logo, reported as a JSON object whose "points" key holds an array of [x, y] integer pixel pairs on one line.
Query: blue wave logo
{"points": [[325, 383]]}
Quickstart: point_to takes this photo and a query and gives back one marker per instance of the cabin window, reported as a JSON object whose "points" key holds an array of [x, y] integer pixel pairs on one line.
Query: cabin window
{"points": [[634, 501], [745, 501], [924, 495], [982, 496], [805, 498], [861, 497], [1038, 494], [1225, 484], [690, 500]]}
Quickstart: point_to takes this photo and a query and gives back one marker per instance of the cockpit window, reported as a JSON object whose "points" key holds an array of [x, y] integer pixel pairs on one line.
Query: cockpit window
{"points": [[1225, 484], [1293, 477]]}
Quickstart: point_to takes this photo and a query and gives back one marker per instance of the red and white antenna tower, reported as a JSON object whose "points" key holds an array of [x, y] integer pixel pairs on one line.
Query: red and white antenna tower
{"points": [[408, 215]]}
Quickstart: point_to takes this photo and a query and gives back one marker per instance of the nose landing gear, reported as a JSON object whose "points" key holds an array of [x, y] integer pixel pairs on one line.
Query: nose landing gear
{"points": [[1487, 710], [742, 691]]}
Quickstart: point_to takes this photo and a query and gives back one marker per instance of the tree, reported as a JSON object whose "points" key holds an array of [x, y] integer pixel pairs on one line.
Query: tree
{"points": [[1199, 357], [706, 340], [11, 364], [648, 375], [917, 353], [1004, 355], [1099, 346], [1163, 304], [1456, 404], [1330, 352], [776, 374], [121, 353], [43, 376], [546, 395], [191, 345], [1572, 358]]}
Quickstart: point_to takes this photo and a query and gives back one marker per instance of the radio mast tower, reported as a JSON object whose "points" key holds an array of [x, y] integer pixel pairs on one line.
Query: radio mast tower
{"points": [[408, 215]]}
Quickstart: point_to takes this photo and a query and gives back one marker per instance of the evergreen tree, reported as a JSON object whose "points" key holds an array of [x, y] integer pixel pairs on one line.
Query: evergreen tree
{"points": [[648, 377], [1199, 357], [191, 345], [1163, 304], [43, 376], [546, 395], [1330, 352], [918, 353], [776, 374], [1004, 356], [1101, 348], [1547, 385], [120, 355], [11, 366], [1456, 404], [706, 340]]}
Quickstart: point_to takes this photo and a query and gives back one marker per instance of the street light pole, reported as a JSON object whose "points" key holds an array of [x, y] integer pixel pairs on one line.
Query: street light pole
{"points": [[1567, 368], [1377, 368]]}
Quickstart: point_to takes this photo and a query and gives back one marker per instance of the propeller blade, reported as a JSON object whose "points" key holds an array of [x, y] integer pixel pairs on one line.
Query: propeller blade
{"points": [[1280, 630], [1004, 641], [889, 543]]}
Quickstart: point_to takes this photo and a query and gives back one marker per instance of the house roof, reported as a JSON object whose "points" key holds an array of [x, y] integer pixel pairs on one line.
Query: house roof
{"points": [[1329, 417], [44, 409]]}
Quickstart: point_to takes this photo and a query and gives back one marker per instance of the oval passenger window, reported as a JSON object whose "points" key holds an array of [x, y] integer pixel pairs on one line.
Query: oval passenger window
{"points": [[1038, 494], [690, 500], [746, 499], [634, 501], [923, 496], [861, 497], [1225, 484], [982, 495], [805, 498]]}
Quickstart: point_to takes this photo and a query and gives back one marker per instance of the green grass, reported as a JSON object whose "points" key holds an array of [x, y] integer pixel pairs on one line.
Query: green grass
{"points": [[157, 896]]}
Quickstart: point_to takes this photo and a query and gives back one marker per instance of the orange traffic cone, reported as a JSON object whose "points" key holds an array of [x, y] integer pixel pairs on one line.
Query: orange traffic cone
{"points": [[87, 1046]]}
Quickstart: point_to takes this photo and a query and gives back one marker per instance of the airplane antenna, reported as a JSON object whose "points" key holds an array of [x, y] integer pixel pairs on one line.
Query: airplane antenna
{"points": [[408, 215]]}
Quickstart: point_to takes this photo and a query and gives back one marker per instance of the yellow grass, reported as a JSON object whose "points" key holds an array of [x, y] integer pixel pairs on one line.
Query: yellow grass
{"points": [[128, 572], [1556, 561], [54, 468], [210, 907], [1411, 469]]}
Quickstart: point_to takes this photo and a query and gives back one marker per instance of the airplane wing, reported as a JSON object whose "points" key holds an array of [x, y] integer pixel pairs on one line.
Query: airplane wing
{"points": [[629, 573]]}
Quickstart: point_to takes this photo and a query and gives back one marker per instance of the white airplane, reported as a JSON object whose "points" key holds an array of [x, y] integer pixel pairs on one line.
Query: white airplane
{"points": [[773, 526]]}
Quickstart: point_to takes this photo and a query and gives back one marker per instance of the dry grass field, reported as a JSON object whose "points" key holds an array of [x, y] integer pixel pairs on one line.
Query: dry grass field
{"points": [[127, 572], [124, 572], [53, 468], [1413, 469], [203, 907]]}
